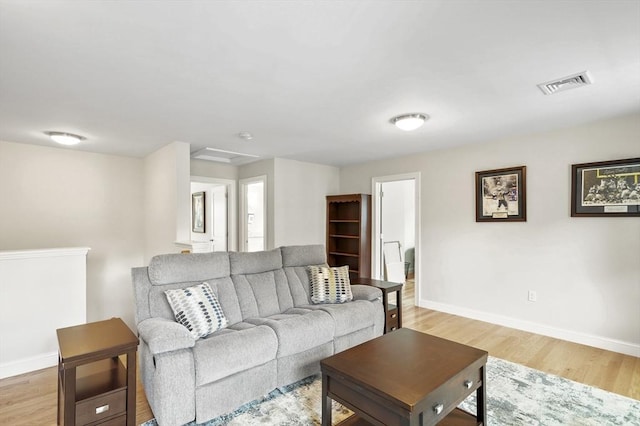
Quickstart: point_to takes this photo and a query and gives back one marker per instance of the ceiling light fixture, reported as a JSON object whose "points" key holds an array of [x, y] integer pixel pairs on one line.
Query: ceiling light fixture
{"points": [[64, 138], [245, 135], [408, 122]]}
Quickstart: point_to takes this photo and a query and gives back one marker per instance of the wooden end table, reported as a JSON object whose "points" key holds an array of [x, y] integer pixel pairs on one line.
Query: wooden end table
{"points": [[405, 378], [392, 312], [94, 387]]}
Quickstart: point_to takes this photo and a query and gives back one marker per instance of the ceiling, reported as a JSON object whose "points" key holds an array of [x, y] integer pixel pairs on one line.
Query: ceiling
{"points": [[315, 81]]}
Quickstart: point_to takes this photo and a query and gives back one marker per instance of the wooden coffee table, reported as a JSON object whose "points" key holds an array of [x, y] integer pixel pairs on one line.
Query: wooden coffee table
{"points": [[405, 378]]}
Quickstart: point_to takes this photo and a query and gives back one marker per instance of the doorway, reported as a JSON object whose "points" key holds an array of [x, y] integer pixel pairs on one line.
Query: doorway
{"points": [[220, 212], [253, 211], [396, 232]]}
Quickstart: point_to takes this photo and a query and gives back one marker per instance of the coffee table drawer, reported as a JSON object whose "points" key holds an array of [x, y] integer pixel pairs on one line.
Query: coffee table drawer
{"points": [[365, 401], [448, 396]]}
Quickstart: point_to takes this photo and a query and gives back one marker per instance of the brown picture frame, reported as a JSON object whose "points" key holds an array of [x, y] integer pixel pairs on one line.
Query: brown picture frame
{"points": [[501, 195], [198, 211], [606, 188]]}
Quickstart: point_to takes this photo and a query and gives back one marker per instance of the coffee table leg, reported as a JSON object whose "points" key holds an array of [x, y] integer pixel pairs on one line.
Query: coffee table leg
{"points": [[326, 402], [481, 398]]}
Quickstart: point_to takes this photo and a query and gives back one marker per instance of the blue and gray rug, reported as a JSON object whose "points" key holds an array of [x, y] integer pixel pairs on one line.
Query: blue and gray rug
{"points": [[516, 396]]}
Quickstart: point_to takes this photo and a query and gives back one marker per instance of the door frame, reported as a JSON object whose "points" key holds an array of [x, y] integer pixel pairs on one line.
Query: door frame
{"points": [[232, 209], [376, 246]]}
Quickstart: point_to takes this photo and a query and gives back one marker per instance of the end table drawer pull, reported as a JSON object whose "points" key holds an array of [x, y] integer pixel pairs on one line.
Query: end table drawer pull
{"points": [[438, 408], [102, 409], [468, 384]]}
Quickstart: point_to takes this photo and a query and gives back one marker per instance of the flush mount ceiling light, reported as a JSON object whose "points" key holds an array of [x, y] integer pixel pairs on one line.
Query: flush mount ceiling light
{"points": [[245, 135], [64, 138], [408, 122]]}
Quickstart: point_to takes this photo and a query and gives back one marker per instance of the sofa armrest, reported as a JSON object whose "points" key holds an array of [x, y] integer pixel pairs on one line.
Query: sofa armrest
{"points": [[163, 335], [365, 292]]}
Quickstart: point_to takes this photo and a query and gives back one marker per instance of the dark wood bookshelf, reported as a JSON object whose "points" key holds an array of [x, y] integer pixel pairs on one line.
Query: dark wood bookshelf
{"points": [[349, 233]]}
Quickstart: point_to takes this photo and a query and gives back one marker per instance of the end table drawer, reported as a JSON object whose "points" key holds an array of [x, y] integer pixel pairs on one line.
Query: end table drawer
{"points": [[392, 320], [101, 407]]}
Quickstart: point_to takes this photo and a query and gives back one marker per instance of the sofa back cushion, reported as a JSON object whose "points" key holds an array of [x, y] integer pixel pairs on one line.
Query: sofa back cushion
{"points": [[295, 260], [260, 283], [174, 271]]}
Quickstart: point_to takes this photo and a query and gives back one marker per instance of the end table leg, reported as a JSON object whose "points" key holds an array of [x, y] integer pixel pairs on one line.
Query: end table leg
{"points": [[481, 398], [69, 381], [326, 402], [131, 388]]}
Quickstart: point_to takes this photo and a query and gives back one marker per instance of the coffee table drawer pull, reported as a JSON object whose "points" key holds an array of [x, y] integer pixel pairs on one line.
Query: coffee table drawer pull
{"points": [[468, 384], [438, 408]]}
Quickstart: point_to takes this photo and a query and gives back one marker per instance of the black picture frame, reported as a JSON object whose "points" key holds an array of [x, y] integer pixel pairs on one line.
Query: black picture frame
{"points": [[606, 188], [501, 195], [198, 212]]}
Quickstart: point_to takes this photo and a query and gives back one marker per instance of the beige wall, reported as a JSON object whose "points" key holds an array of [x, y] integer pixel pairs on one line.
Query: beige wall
{"points": [[586, 271], [56, 197], [212, 169], [300, 201]]}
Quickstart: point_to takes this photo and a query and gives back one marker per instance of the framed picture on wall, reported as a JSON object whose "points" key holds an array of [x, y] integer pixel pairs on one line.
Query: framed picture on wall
{"points": [[197, 212], [606, 188], [501, 195]]}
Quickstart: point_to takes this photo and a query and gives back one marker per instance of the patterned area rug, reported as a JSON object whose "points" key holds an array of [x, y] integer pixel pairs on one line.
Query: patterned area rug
{"points": [[516, 396]]}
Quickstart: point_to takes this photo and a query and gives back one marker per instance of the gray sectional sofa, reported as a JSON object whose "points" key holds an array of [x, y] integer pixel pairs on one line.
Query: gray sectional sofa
{"points": [[275, 335]]}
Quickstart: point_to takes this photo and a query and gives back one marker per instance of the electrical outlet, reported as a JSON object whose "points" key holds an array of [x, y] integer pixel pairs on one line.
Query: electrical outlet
{"points": [[533, 296]]}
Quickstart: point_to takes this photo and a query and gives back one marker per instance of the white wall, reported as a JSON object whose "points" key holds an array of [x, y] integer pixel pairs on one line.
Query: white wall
{"points": [[300, 201], [41, 291], [56, 197], [586, 271], [167, 199]]}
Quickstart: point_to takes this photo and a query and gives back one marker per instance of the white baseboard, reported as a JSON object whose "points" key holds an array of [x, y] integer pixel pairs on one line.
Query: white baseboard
{"points": [[613, 345], [27, 365]]}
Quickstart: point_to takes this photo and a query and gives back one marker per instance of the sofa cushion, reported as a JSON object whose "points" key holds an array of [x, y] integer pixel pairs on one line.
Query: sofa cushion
{"points": [[262, 294], [295, 260], [303, 255], [230, 351], [298, 280], [194, 267], [330, 285], [197, 308], [298, 332], [350, 317], [255, 262]]}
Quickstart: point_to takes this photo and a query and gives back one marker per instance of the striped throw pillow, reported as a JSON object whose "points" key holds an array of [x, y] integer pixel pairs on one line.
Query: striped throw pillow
{"points": [[329, 285], [198, 309]]}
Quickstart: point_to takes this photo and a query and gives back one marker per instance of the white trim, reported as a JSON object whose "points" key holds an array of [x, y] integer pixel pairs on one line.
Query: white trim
{"points": [[27, 365], [376, 182], [232, 207], [606, 343], [38, 253]]}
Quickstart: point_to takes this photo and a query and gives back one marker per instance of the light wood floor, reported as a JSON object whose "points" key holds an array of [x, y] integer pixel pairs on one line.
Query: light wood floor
{"points": [[30, 399]]}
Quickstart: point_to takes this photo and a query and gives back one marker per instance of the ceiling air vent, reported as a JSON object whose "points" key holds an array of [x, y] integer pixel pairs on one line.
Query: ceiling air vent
{"points": [[565, 83], [222, 156]]}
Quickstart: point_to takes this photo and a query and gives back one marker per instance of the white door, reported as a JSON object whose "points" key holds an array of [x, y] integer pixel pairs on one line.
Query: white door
{"points": [[220, 215]]}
